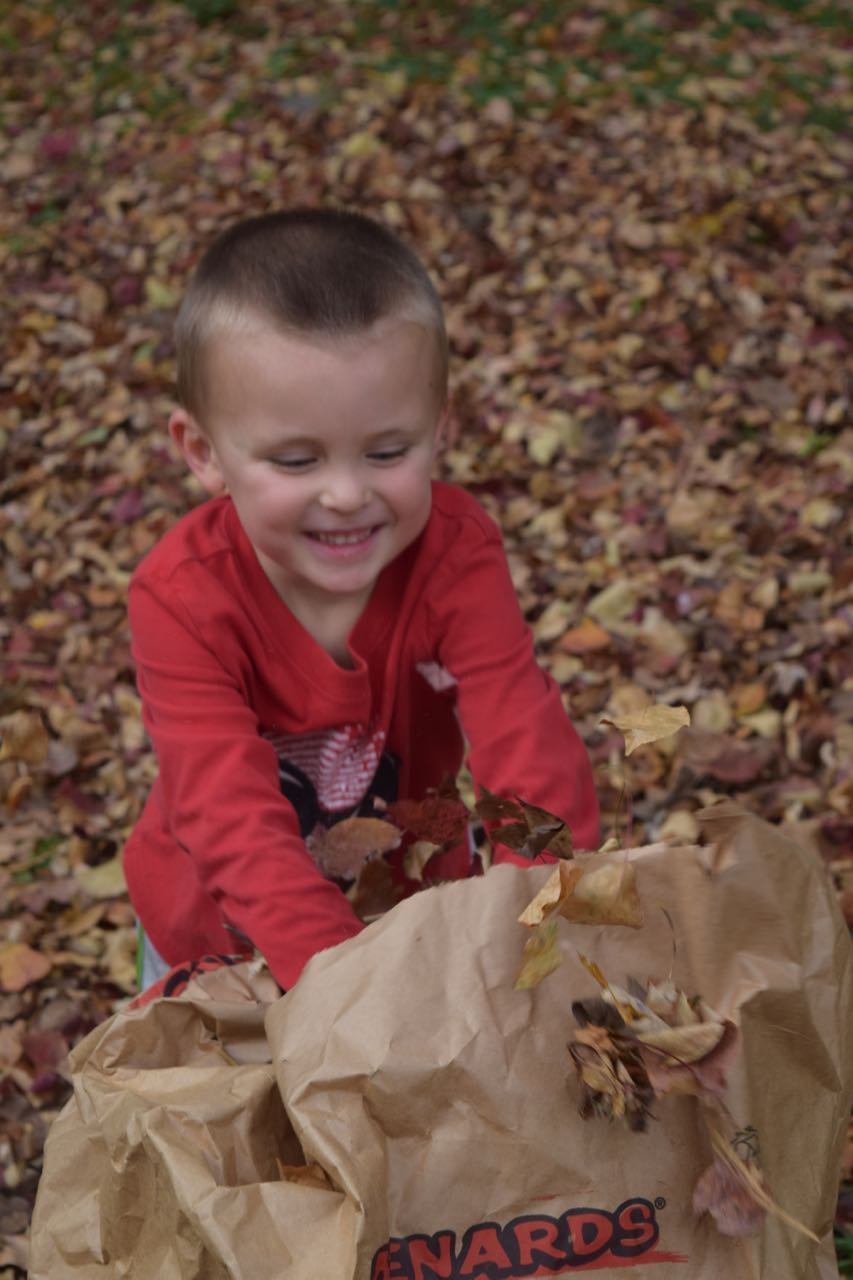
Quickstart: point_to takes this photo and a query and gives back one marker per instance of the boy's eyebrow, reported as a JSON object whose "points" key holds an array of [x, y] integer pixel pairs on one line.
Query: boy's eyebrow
{"points": [[311, 442]]}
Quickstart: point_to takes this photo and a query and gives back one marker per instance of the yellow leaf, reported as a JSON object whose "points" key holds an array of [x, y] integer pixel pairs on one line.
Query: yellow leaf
{"points": [[104, 881], [47, 620], [541, 956], [606, 895], [612, 605], [20, 965], [160, 294], [23, 737], [685, 1043], [555, 890], [360, 144], [593, 969], [649, 725], [543, 445]]}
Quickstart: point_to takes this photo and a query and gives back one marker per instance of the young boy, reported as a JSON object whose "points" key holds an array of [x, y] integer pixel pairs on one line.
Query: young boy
{"points": [[319, 635]]}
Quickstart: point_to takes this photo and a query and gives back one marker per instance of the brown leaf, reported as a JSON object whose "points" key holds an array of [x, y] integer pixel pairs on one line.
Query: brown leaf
{"points": [[374, 892], [534, 830], [731, 1204], [342, 849], [23, 737], [587, 637], [649, 725], [747, 1173], [20, 965], [492, 808]]}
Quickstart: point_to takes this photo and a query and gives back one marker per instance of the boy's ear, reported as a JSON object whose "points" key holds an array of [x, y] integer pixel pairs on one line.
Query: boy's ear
{"points": [[197, 449], [446, 429]]}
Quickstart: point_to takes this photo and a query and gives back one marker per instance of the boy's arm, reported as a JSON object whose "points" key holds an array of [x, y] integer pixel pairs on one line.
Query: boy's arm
{"points": [[521, 741], [222, 800]]}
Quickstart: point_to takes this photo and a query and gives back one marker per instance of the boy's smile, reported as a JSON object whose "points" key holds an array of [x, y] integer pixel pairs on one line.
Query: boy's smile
{"points": [[326, 448]]}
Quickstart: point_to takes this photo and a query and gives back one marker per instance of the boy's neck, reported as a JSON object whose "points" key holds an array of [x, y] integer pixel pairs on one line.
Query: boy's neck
{"points": [[330, 622]]}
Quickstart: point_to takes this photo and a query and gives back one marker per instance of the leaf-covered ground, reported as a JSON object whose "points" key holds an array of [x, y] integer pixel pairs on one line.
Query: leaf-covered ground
{"points": [[640, 218]]}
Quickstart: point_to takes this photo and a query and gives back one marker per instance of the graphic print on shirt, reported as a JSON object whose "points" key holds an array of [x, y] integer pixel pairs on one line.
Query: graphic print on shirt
{"points": [[332, 774]]}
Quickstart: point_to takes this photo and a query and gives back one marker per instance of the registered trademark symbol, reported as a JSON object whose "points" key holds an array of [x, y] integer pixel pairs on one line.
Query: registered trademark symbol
{"points": [[660, 1203]]}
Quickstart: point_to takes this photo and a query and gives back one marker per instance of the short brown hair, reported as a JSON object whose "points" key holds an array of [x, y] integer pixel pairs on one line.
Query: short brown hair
{"points": [[319, 272]]}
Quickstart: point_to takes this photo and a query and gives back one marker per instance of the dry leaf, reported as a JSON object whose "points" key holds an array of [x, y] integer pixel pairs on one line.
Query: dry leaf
{"points": [[20, 965], [613, 1079], [342, 849], [533, 830], [750, 1178], [23, 737], [103, 881], [605, 895], [731, 1204], [374, 892], [705, 1076], [555, 890], [541, 957], [306, 1175], [492, 808], [587, 637], [416, 858], [683, 1044], [649, 725]]}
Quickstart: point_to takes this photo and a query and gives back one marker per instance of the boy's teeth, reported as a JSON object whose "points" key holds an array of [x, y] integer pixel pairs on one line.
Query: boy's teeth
{"points": [[342, 539]]}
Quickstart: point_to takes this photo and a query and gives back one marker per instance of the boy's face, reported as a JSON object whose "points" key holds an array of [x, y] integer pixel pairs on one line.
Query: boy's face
{"points": [[326, 448]]}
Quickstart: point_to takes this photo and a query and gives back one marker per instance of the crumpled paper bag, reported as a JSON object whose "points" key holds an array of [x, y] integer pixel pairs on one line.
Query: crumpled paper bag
{"points": [[440, 1104]]}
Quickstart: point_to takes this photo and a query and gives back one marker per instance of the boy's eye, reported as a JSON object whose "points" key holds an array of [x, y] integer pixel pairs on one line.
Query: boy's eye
{"points": [[295, 464], [388, 455]]}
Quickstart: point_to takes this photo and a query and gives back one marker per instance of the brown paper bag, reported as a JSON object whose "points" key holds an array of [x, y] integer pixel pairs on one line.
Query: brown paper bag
{"points": [[438, 1100]]}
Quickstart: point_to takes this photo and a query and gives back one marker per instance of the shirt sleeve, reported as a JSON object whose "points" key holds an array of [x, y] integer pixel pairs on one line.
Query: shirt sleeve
{"points": [[222, 800], [520, 739]]}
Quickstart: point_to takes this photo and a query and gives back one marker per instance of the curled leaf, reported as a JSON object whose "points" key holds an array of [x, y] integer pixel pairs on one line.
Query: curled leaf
{"points": [[731, 1204], [342, 849], [612, 1076], [541, 957], [750, 1181], [23, 737], [605, 895], [417, 856], [492, 808], [651, 724], [553, 893], [530, 831], [706, 1076], [683, 1044]]}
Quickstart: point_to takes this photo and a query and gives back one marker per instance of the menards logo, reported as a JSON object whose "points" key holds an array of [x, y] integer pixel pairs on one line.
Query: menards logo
{"points": [[533, 1245]]}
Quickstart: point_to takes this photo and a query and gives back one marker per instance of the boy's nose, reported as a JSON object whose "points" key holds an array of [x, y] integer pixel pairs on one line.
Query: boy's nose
{"points": [[344, 491]]}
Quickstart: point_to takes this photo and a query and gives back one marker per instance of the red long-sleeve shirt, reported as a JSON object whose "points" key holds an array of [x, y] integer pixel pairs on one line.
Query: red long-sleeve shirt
{"points": [[238, 696]]}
